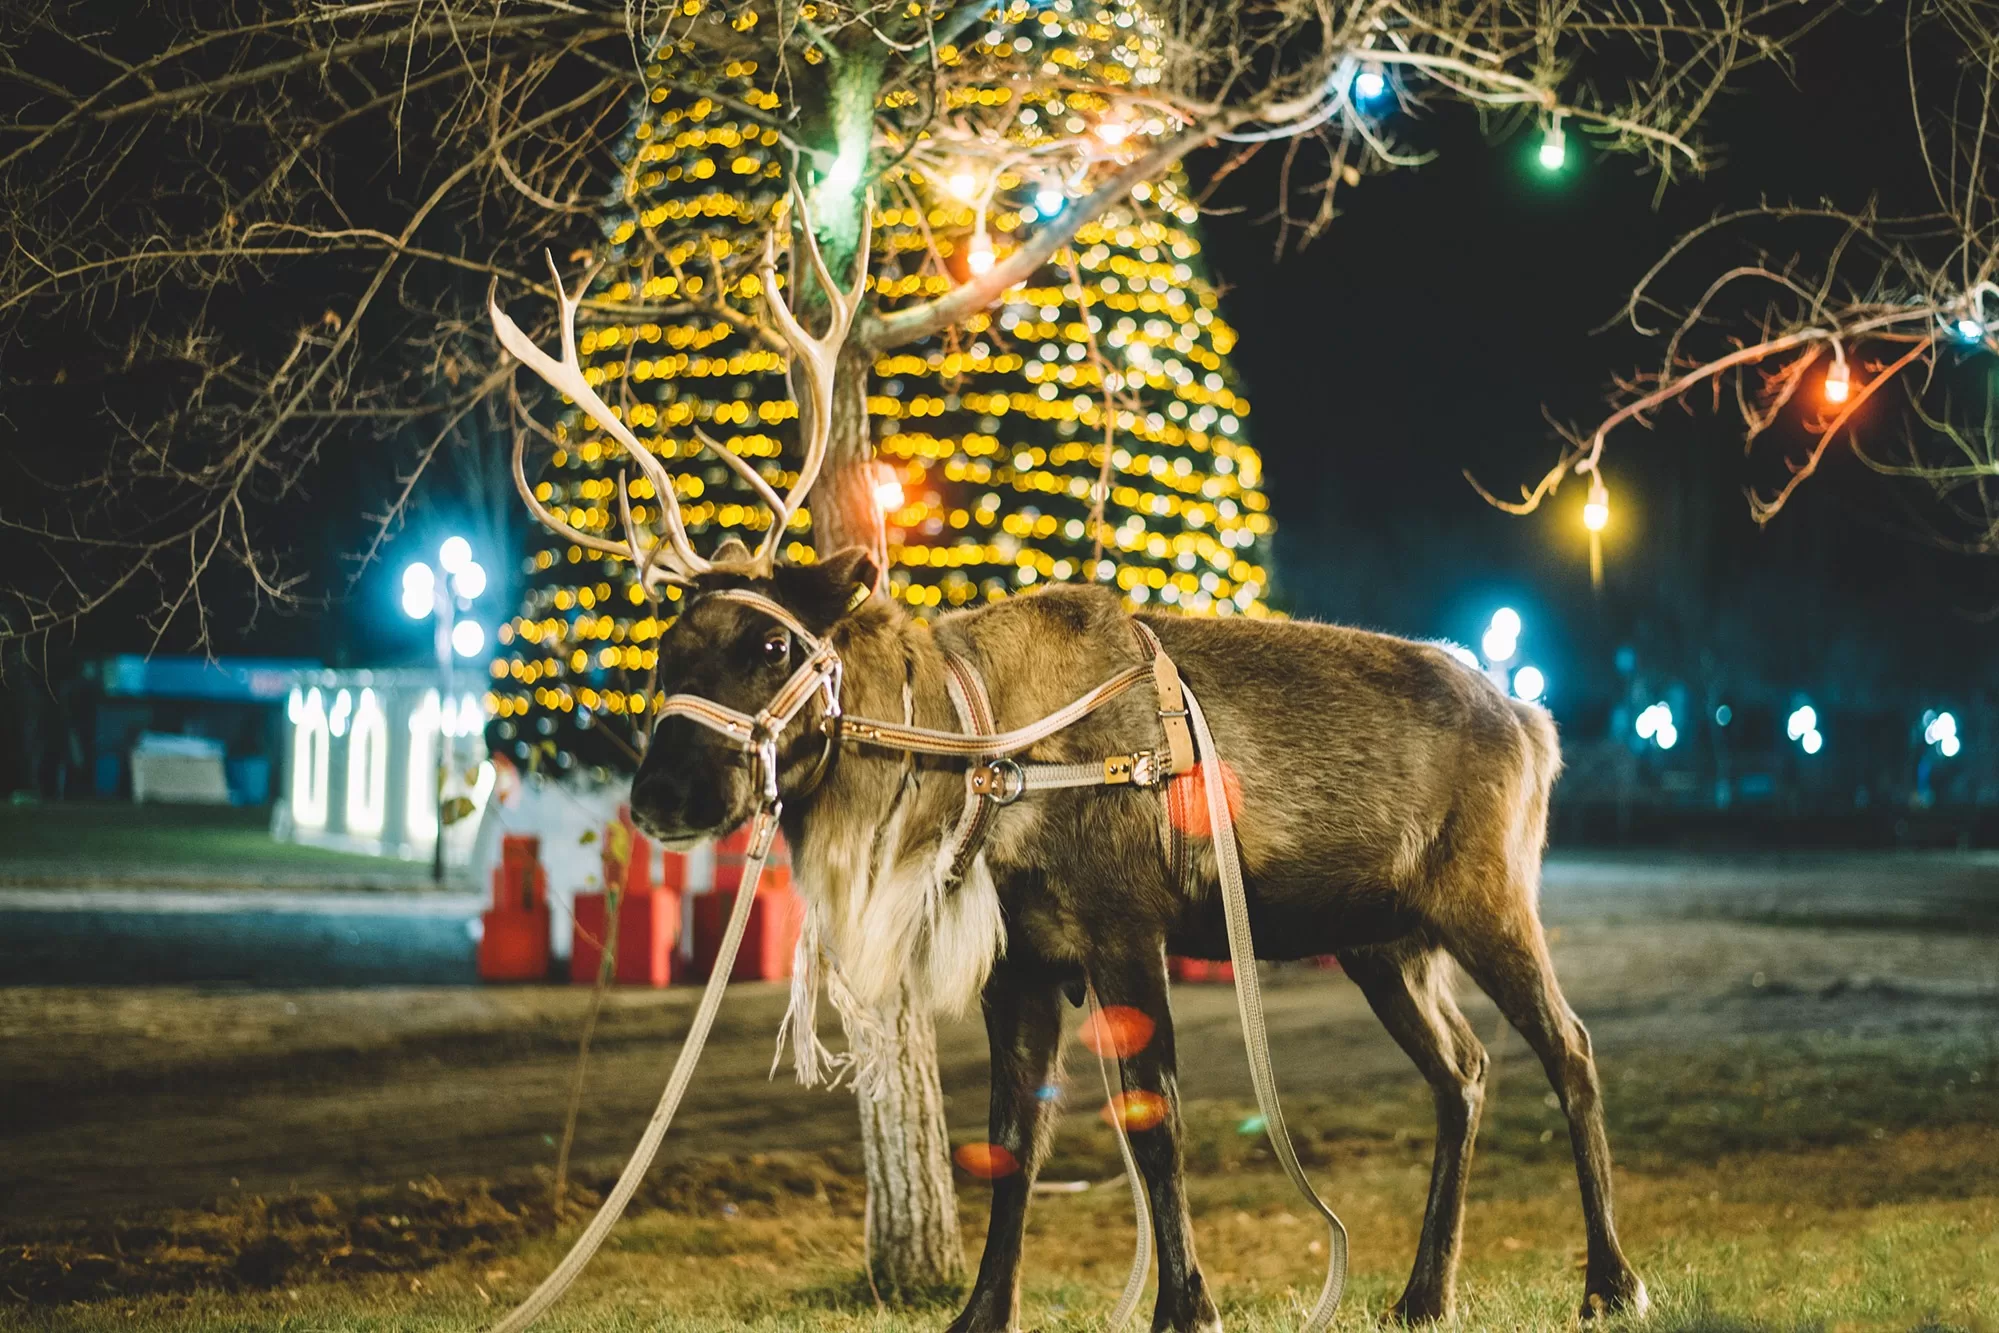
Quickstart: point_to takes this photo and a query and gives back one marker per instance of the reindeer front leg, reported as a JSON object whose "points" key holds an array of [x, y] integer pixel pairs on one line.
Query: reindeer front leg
{"points": [[1024, 1029], [1131, 973]]}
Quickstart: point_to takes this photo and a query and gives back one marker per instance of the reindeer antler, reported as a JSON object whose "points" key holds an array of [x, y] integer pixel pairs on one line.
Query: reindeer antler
{"points": [[819, 357], [673, 560]]}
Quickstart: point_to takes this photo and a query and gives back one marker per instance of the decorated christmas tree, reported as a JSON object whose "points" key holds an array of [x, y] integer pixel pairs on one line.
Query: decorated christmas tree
{"points": [[1087, 429]]}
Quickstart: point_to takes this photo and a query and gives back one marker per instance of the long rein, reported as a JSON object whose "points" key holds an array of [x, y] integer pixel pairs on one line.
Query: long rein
{"points": [[1002, 780]]}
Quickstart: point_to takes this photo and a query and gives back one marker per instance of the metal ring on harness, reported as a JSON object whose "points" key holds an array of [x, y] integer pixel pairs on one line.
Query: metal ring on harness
{"points": [[992, 781]]}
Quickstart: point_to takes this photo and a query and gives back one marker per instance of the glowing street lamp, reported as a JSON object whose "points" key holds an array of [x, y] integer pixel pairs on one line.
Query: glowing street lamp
{"points": [[1501, 641], [1656, 725], [440, 594], [1802, 726], [1940, 730]]}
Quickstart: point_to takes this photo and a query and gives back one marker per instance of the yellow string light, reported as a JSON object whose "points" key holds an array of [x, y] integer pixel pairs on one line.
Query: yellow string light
{"points": [[993, 438]]}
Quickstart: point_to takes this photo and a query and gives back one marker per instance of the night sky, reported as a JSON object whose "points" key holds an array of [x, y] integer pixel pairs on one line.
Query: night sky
{"points": [[1426, 331], [1423, 335]]}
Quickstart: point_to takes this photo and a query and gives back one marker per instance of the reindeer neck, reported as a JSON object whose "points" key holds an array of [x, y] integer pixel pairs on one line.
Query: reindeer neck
{"points": [[893, 671]]}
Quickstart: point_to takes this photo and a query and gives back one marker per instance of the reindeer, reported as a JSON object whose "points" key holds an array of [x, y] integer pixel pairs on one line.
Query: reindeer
{"points": [[1392, 804]]}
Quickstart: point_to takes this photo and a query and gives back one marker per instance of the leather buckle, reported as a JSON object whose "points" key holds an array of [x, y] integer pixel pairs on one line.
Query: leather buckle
{"points": [[1001, 781], [1137, 770]]}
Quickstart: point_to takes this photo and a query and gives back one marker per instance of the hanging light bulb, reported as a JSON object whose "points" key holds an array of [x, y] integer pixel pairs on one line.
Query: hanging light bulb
{"points": [[1111, 133], [1370, 83], [963, 184], [1596, 509], [1554, 146], [1838, 383], [979, 258], [1969, 330], [1050, 198], [888, 489]]}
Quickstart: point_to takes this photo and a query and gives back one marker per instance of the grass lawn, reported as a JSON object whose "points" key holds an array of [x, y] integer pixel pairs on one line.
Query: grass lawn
{"points": [[1772, 1186], [123, 839], [1803, 1118], [1745, 1244]]}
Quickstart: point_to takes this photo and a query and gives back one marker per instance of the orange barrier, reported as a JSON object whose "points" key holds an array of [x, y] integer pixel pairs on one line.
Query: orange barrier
{"points": [[1201, 970], [648, 912], [768, 940], [513, 944]]}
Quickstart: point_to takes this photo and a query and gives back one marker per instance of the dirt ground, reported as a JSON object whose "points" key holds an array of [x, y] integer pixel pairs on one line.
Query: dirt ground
{"points": [[1806, 1007]]}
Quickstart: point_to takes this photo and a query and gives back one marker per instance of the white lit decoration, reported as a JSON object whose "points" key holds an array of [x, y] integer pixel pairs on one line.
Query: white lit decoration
{"points": [[368, 767], [365, 763], [420, 792], [311, 756]]}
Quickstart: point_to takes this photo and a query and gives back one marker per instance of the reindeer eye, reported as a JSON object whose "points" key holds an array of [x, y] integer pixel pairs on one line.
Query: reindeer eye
{"points": [[777, 647]]}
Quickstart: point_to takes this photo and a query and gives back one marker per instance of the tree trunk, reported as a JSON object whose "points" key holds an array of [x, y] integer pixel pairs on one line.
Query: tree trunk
{"points": [[914, 1245], [845, 511], [912, 1220]]}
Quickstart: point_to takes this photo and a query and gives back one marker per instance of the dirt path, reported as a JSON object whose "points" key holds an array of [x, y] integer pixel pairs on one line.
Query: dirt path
{"points": [[125, 1100]]}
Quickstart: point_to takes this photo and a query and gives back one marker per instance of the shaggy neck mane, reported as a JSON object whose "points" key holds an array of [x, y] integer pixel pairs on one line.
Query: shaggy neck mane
{"points": [[869, 847]]}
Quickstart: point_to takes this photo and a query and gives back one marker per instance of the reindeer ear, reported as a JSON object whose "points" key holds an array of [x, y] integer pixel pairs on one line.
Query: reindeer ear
{"points": [[826, 592], [849, 569], [730, 552]]}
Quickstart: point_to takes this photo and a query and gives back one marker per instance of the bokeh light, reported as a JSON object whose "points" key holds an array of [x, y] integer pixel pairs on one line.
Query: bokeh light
{"points": [[1116, 1031], [1135, 1110], [1187, 800], [987, 1161]]}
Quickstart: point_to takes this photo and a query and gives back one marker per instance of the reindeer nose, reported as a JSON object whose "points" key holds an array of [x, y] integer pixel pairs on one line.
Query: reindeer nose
{"points": [[672, 791], [659, 790]]}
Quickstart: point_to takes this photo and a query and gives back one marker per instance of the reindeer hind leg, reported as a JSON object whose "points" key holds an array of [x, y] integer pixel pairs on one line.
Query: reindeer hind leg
{"points": [[1408, 987], [1505, 951]]}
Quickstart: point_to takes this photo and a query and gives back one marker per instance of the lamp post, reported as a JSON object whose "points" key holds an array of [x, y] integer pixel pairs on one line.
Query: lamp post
{"points": [[425, 593]]}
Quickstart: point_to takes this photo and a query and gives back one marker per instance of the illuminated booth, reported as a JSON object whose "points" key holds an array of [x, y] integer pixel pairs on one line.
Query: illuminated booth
{"points": [[364, 755]]}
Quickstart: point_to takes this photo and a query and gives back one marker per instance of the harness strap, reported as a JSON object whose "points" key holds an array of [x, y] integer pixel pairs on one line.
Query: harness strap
{"points": [[552, 1287], [1172, 702], [928, 740], [1255, 1036], [975, 714]]}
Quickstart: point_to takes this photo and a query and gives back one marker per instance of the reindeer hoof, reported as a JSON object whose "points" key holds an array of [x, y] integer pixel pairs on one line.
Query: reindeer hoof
{"points": [[1623, 1294], [1420, 1308], [984, 1314]]}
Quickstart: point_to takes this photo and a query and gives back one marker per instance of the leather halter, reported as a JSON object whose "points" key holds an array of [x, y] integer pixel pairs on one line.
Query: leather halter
{"points": [[1000, 778], [820, 673]]}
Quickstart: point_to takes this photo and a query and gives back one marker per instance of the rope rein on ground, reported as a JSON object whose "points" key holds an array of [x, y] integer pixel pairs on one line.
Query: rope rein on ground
{"points": [[1256, 1037], [613, 1207]]}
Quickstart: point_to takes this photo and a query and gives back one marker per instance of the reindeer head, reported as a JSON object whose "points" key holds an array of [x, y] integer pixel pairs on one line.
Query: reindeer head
{"points": [[722, 648]]}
